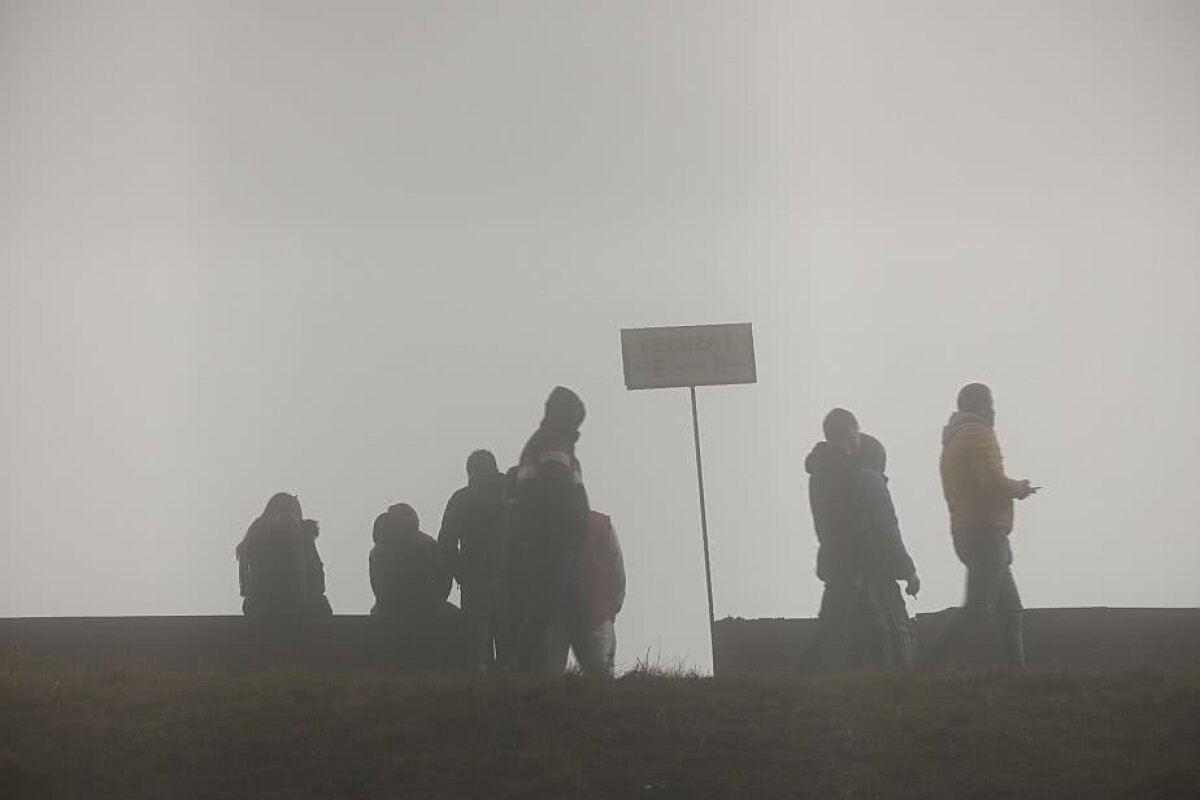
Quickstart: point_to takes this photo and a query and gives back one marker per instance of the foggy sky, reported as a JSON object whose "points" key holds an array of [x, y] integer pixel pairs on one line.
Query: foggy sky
{"points": [[331, 248]]}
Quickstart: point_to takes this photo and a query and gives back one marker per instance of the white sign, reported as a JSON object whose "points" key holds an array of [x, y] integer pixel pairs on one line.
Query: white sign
{"points": [[691, 355]]}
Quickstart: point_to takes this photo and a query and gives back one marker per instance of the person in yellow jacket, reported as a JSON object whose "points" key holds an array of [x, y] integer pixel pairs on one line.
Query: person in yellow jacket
{"points": [[980, 498]]}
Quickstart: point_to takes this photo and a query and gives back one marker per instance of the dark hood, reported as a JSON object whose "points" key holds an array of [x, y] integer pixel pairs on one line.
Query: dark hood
{"points": [[564, 410], [959, 420], [826, 458]]}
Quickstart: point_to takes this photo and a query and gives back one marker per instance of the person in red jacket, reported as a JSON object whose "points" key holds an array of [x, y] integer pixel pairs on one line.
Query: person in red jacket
{"points": [[586, 623]]}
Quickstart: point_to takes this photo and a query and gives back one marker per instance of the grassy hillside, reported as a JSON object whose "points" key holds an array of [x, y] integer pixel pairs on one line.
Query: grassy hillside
{"points": [[69, 732]]}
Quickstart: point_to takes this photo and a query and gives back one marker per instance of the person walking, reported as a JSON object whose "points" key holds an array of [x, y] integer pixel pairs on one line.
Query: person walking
{"points": [[979, 496]]}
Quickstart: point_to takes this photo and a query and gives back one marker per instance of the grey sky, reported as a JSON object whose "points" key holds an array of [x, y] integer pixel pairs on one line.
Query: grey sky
{"points": [[333, 247]]}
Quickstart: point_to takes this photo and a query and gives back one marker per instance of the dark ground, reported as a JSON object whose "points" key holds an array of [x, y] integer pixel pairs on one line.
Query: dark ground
{"points": [[92, 732]]}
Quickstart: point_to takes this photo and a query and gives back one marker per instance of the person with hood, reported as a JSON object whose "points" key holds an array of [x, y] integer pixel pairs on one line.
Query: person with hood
{"points": [[979, 496], [833, 474], [587, 624], [552, 518], [408, 572], [280, 573], [885, 560], [470, 527]]}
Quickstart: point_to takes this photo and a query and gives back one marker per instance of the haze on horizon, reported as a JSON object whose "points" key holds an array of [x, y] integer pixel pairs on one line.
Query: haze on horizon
{"points": [[332, 248]]}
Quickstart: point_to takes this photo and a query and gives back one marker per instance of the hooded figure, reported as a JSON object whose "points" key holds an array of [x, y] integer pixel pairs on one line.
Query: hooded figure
{"points": [[833, 475], [408, 573], [468, 537], [551, 521]]}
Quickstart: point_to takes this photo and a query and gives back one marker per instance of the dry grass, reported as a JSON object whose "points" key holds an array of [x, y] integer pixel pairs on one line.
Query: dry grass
{"points": [[72, 732]]}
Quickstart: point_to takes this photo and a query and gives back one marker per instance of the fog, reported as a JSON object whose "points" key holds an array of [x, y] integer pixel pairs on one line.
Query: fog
{"points": [[331, 248]]}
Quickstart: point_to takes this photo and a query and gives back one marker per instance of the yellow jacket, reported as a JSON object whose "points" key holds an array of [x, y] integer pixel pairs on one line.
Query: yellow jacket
{"points": [[978, 493]]}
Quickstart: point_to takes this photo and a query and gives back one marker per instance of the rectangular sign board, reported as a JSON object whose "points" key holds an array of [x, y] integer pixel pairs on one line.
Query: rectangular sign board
{"points": [[690, 355]]}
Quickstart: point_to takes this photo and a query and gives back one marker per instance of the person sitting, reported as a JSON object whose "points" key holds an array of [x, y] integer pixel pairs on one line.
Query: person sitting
{"points": [[408, 572], [280, 573]]}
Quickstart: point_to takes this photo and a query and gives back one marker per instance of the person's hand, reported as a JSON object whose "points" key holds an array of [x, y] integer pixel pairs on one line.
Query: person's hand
{"points": [[912, 585], [1026, 490]]}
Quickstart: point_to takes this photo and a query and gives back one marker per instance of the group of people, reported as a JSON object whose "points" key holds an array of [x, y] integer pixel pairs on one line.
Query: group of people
{"points": [[861, 558], [540, 572]]}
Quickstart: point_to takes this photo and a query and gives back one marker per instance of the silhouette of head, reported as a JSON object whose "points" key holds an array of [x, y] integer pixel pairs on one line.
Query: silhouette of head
{"points": [[283, 504], [405, 516], [481, 465], [564, 409], [386, 526], [841, 429], [976, 398], [871, 453]]}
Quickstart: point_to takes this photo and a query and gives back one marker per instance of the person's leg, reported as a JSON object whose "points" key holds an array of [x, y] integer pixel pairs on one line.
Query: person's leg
{"points": [[556, 643], [828, 649], [476, 608], [867, 627], [899, 634], [595, 648], [1010, 612], [981, 552]]}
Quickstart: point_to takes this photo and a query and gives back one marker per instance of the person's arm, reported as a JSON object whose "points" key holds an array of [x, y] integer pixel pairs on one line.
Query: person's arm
{"points": [[616, 573], [450, 534], [988, 464], [891, 555]]}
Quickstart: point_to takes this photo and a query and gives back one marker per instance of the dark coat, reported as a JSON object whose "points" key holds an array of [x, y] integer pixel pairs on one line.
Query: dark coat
{"points": [[831, 495], [470, 526], [408, 573], [883, 550]]}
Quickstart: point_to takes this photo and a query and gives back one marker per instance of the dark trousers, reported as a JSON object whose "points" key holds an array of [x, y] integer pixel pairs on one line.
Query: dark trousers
{"points": [[479, 615], [991, 594], [841, 604], [886, 624]]}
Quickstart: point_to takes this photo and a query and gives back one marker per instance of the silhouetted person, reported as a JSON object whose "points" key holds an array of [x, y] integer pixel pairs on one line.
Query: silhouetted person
{"points": [[408, 572], [511, 573], [885, 560], [585, 623], [980, 499], [833, 474], [468, 539], [552, 517], [280, 574]]}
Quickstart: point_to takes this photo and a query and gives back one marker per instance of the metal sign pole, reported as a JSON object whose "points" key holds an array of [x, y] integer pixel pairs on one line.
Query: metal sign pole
{"points": [[704, 527]]}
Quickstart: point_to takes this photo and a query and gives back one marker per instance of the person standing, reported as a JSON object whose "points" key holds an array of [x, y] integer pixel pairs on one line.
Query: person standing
{"points": [[832, 471], [885, 561], [979, 496], [470, 526], [586, 622], [551, 520]]}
